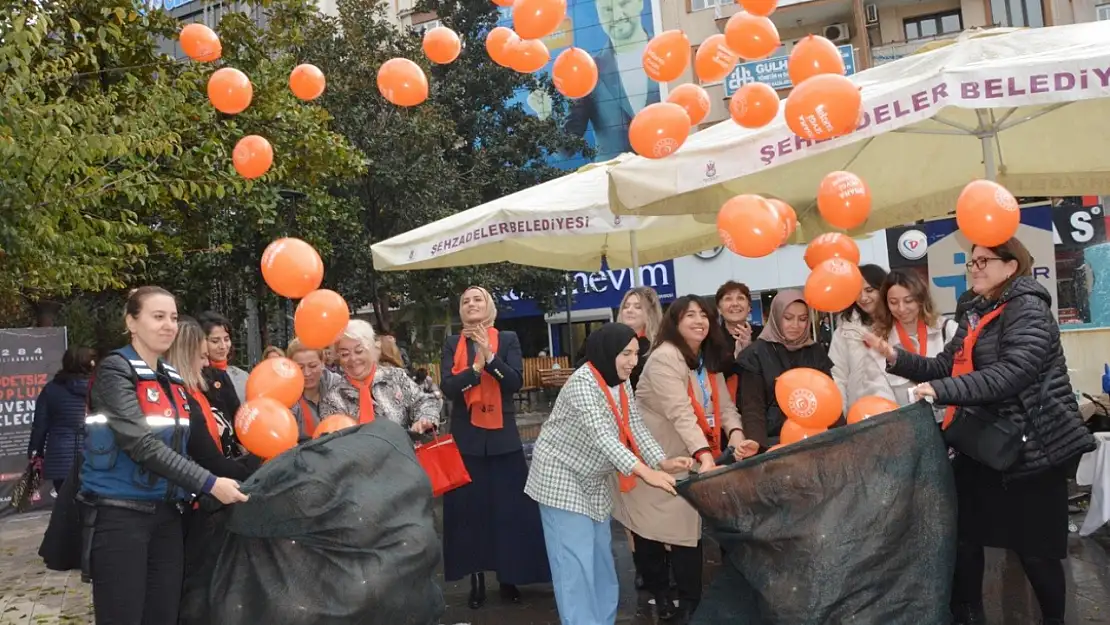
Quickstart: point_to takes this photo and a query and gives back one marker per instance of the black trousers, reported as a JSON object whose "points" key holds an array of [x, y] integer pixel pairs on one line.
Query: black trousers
{"points": [[656, 566], [1046, 576], [137, 560]]}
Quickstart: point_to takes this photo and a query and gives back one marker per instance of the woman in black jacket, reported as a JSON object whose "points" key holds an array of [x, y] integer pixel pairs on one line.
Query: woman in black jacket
{"points": [[60, 415], [1014, 347]]}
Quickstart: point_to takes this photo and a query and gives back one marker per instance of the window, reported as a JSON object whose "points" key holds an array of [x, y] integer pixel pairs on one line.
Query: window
{"points": [[1102, 12], [1017, 13], [701, 5], [933, 25]]}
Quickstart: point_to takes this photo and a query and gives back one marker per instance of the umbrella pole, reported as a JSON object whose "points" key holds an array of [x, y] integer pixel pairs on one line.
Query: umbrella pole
{"points": [[635, 258], [988, 157]]}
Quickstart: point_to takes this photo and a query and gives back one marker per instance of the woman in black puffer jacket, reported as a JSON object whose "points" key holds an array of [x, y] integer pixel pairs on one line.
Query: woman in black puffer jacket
{"points": [[1017, 352]]}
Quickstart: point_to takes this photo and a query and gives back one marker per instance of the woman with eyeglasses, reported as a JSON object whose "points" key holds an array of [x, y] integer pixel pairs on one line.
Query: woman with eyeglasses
{"points": [[1005, 364]]}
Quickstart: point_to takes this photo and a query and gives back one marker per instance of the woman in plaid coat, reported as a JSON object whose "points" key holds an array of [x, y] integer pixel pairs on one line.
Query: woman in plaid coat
{"points": [[593, 432]]}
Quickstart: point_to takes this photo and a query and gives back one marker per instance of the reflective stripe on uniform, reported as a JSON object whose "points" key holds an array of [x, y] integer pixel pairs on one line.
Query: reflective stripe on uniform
{"points": [[153, 421]]}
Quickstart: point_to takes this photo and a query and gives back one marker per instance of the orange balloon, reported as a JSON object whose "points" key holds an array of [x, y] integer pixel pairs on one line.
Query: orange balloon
{"points": [[200, 43], [808, 397], [791, 432], [321, 318], [824, 107], [787, 214], [750, 226], [867, 407], [659, 129], [844, 200], [307, 82], [276, 378], [760, 7], [503, 3], [536, 19], [666, 56], [253, 155], [334, 423], [499, 44], [714, 60], [987, 213], [693, 99], [292, 268], [811, 56], [230, 90], [528, 56], [265, 427], [753, 37], [831, 245], [442, 45], [574, 73], [402, 82], [833, 285], [754, 105]]}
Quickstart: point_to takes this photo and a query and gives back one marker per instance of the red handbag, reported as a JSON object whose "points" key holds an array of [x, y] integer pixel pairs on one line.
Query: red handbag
{"points": [[443, 463]]}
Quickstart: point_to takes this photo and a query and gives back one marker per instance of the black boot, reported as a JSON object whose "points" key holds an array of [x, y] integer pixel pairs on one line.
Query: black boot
{"points": [[664, 607], [477, 590], [510, 593]]}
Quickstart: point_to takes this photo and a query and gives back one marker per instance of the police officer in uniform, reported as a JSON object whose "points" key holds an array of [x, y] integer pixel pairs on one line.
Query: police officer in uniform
{"points": [[136, 478]]}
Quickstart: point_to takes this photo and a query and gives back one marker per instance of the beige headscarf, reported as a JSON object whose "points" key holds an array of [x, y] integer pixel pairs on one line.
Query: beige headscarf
{"points": [[491, 310], [772, 332]]}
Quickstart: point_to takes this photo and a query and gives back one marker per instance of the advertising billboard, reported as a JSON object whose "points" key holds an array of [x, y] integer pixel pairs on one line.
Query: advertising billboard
{"points": [[772, 71], [615, 33]]}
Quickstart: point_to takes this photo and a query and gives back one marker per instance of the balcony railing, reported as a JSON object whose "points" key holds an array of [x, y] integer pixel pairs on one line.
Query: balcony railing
{"points": [[881, 55]]}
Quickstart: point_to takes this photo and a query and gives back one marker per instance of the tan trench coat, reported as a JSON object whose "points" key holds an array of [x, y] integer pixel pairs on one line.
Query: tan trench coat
{"points": [[664, 404]]}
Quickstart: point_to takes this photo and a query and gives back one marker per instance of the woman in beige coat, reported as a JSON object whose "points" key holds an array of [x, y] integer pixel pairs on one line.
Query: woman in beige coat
{"points": [[685, 404]]}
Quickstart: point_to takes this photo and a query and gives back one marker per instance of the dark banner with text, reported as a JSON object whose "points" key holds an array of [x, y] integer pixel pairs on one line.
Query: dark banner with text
{"points": [[29, 357]]}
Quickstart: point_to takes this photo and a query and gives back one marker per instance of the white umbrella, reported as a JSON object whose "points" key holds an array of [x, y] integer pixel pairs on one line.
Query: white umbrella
{"points": [[561, 224], [1027, 108]]}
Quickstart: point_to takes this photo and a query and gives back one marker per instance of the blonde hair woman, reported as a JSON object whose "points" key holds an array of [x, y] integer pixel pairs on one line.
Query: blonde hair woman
{"points": [[318, 380], [490, 524], [368, 391], [390, 354], [641, 311]]}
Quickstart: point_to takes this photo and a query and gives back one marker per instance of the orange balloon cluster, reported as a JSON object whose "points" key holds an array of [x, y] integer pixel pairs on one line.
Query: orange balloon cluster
{"points": [[844, 200], [442, 45], [811, 402], [307, 82], [266, 427], [402, 82], [867, 407], [833, 285], [574, 73], [252, 157], [292, 268], [754, 105], [987, 213], [824, 104], [229, 90], [321, 318], [334, 423], [753, 37], [659, 129], [714, 59], [277, 378], [693, 99], [666, 56], [200, 43], [751, 226]]}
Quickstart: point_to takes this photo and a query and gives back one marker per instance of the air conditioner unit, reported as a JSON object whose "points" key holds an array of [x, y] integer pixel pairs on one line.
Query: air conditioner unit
{"points": [[836, 33], [871, 13]]}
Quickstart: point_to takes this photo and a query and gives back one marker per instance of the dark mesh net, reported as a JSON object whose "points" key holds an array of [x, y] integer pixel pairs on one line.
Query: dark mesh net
{"points": [[857, 526], [338, 531]]}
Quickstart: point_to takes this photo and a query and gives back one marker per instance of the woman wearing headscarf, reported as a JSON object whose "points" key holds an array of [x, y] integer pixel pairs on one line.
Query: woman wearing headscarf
{"points": [[594, 431], [489, 524], [368, 391], [786, 343], [685, 405], [641, 311]]}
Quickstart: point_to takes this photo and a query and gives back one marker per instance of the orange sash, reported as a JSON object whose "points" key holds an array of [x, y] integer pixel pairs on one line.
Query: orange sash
{"points": [[962, 362], [209, 418], [365, 396], [483, 400], [711, 432], [624, 425], [310, 423], [733, 385], [922, 337]]}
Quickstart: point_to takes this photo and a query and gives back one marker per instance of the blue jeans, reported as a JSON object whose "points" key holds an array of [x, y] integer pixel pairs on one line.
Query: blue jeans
{"points": [[582, 568]]}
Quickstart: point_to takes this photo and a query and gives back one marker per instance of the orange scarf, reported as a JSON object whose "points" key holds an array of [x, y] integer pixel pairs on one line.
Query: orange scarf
{"points": [[711, 432], [310, 423], [483, 400], [733, 385], [624, 426], [209, 418], [218, 364], [922, 337], [962, 363], [365, 396]]}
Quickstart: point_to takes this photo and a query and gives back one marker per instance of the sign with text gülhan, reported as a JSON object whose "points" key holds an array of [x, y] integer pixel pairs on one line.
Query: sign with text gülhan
{"points": [[29, 357], [773, 72]]}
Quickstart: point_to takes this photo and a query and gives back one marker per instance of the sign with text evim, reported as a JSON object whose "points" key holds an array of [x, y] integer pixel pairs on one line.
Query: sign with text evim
{"points": [[773, 71]]}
